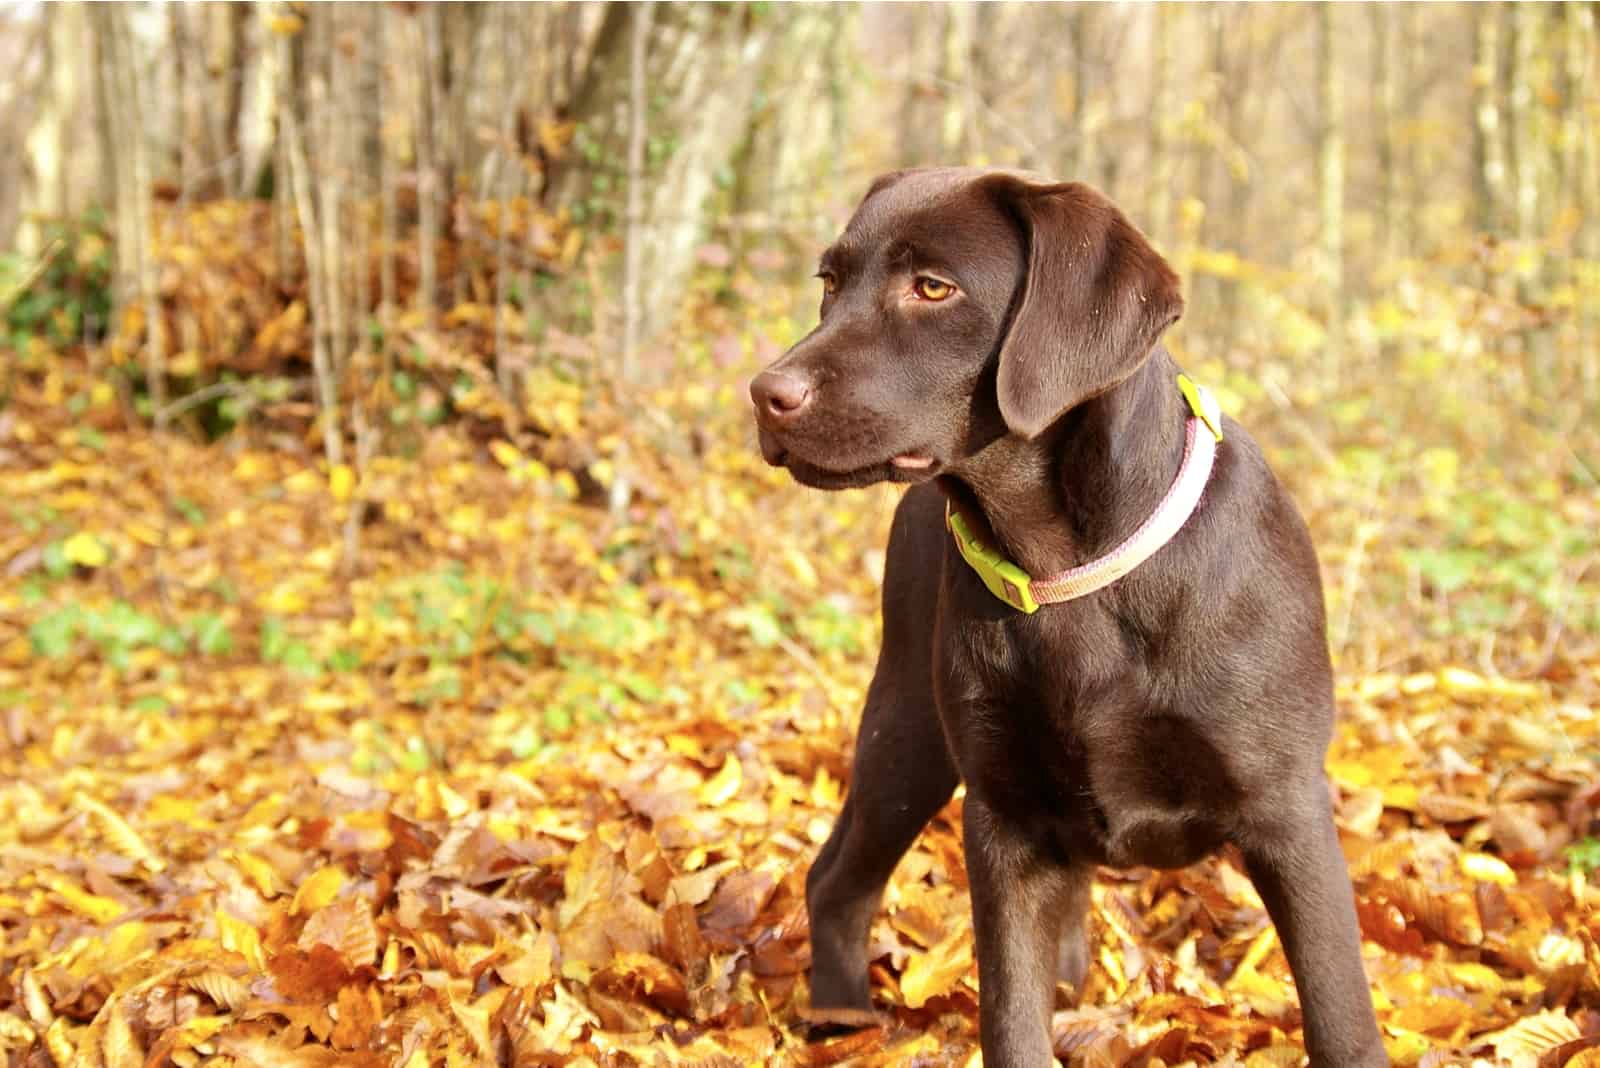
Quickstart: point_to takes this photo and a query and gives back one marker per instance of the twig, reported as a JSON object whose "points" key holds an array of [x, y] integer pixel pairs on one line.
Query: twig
{"points": [[35, 273], [1278, 397], [814, 669], [202, 396]]}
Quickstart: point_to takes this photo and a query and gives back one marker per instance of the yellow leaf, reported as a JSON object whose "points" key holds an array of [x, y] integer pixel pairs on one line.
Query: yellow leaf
{"points": [[342, 482], [15, 1032], [83, 548], [60, 1047], [142, 532], [571, 246], [33, 999], [284, 600], [262, 875], [724, 785], [122, 837], [1459, 681], [201, 1028], [455, 806], [1351, 774], [1260, 946], [505, 452], [97, 908], [318, 891], [1533, 1035], [936, 972], [241, 938], [800, 564], [466, 519], [222, 988], [1401, 795], [1487, 869], [391, 960], [164, 808], [121, 1048]]}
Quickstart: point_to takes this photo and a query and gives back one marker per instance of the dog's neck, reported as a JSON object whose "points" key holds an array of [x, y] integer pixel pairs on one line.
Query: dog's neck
{"points": [[1074, 492]]}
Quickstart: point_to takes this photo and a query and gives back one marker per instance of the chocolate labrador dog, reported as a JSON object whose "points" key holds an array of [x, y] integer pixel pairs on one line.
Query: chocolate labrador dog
{"points": [[995, 340]]}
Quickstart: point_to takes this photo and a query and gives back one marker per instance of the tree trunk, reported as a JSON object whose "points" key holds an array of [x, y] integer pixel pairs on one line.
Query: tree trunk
{"points": [[1522, 137], [1082, 161], [1585, 178], [956, 82], [388, 208], [703, 68], [1386, 131], [47, 197], [1488, 147], [114, 137], [105, 128], [1158, 203], [428, 177], [918, 118], [1330, 177], [229, 65], [1412, 59], [633, 249], [298, 177]]}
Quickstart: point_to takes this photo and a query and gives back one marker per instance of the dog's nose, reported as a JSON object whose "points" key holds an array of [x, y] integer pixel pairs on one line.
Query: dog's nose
{"points": [[779, 397]]}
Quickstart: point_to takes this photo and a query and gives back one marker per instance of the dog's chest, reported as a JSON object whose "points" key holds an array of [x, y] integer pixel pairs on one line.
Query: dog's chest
{"points": [[1086, 750]]}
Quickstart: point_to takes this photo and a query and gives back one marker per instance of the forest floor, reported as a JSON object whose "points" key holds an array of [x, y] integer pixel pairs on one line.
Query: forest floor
{"points": [[518, 784]]}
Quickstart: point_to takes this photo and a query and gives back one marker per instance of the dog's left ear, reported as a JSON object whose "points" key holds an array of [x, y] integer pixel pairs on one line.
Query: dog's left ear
{"points": [[1096, 299]]}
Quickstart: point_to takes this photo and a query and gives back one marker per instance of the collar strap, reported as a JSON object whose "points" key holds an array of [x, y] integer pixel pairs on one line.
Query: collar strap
{"points": [[1021, 591]]}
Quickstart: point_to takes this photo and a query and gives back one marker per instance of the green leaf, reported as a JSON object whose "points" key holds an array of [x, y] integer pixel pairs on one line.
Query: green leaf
{"points": [[189, 510], [52, 637], [56, 564], [274, 639], [211, 635], [524, 743], [297, 657], [345, 660], [1584, 855]]}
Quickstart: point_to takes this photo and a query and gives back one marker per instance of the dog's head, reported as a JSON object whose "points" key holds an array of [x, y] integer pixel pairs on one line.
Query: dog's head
{"points": [[960, 305]]}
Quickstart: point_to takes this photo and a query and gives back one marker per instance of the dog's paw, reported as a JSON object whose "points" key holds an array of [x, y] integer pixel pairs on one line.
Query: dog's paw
{"points": [[828, 1022]]}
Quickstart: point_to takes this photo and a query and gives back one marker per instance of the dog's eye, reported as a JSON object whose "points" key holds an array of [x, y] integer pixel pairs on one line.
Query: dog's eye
{"points": [[935, 289], [830, 281]]}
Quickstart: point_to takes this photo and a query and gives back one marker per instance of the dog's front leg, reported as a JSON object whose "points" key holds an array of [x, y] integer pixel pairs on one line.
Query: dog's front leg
{"points": [[1021, 902], [1300, 872]]}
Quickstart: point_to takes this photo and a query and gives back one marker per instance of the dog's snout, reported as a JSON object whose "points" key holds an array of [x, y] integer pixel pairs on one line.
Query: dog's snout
{"points": [[779, 397]]}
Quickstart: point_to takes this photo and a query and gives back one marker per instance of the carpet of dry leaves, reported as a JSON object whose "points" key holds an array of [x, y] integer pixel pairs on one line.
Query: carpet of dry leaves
{"points": [[522, 785]]}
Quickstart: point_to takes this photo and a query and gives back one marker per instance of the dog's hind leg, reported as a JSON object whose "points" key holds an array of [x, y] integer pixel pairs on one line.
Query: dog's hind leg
{"points": [[901, 776]]}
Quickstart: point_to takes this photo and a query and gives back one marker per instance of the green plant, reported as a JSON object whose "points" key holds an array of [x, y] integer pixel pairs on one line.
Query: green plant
{"points": [[1584, 855], [66, 297]]}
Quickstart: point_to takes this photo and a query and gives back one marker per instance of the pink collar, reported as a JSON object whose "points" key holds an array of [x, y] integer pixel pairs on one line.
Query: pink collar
{"points": [[1017, 588]]}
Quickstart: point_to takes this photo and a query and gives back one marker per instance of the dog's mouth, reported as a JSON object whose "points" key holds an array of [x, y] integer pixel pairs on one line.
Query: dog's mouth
{"points": [[917, 465]]}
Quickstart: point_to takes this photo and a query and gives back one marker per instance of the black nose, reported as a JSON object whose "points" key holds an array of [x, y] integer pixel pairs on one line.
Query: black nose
{"points": [[778, 397]]}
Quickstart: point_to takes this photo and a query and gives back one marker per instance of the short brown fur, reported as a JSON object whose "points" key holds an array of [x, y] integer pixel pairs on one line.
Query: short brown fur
{"points": [[1186, 706]]}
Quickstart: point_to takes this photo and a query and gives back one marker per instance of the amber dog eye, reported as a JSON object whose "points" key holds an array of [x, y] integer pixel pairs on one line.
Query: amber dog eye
{"points": [[933, 288], [830, 282]]}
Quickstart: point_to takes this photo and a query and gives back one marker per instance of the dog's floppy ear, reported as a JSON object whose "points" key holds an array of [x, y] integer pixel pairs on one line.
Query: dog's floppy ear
{"points": [[1096, 299]]}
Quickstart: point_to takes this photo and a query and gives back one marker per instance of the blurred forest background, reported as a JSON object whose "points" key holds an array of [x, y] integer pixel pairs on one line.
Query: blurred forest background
{"points": [[389, 668]]}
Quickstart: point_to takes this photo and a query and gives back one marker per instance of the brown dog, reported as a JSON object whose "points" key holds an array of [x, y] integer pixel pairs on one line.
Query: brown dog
{"points": [[995, 340]]}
